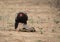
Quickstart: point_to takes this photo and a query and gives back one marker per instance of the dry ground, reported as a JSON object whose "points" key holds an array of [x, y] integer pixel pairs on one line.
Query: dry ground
{"points": [[14, 36], [42, 16]]}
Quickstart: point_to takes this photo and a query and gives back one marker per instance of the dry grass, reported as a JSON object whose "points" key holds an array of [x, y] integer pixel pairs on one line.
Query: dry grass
{"points": [[44, 18]]}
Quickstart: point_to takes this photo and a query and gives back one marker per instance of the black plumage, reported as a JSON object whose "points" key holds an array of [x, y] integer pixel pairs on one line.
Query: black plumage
{"points": [[21, 18]]}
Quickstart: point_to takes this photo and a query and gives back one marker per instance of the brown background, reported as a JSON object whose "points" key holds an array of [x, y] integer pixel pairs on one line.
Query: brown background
{"points": [[43, 14]]}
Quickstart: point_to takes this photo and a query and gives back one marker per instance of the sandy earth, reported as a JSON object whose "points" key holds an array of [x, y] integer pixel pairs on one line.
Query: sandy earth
{"points": [[14, 36], [42, 16]]}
